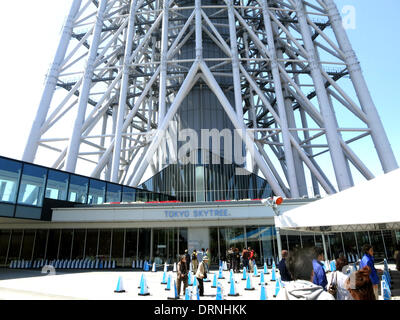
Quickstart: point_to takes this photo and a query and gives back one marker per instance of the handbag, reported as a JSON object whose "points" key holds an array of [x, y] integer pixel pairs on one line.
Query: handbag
{"points": [[333, 286]]}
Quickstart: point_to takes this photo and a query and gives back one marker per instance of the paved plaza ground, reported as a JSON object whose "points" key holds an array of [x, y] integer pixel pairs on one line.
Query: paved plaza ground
{"points": [[16, 284]]}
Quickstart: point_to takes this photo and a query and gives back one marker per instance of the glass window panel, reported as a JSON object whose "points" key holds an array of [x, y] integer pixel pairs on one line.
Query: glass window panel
{"points": [[128, 194], [7, 210], [97, 190], [183, 240], [349, 241], [15, 245], [4, 239], [213, 246], [377, 243], [65, 244], [144, 244], [114, 193], [78, 245], [78, 187], [267, 236], [40, 244], [31, 190], [160, 245], [9, 177], [91, 243], [130, 246], [28, 212], [57, 185], [104, 244], [117, 251], [52, 244], [27, 244]]}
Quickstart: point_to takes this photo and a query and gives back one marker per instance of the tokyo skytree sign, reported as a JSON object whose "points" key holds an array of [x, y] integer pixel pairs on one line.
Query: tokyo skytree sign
{"points": [[277, 72]]}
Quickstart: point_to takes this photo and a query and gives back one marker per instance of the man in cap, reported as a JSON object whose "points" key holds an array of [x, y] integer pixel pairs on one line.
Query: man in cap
{"points": [[201, 274]]}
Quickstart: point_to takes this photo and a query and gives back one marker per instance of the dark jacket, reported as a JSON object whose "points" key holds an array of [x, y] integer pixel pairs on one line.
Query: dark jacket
{"points": [[182, 271], [319, 274], [285, 275]]}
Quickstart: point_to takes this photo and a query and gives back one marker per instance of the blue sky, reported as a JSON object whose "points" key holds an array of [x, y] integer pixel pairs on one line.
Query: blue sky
{"points": [[31, 31]]}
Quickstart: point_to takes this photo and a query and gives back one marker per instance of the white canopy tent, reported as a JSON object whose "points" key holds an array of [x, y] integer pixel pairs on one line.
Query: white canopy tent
{"points": [[369, 206]]}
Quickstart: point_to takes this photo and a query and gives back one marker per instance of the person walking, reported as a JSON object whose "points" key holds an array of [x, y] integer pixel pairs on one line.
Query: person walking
{"points": [[300, 266], [236, 260], [182, 275], [187, 255], [337, 281], [368, 260], [285, 275], [201, 274], [319, 272], [360, 286], [195, 263]]}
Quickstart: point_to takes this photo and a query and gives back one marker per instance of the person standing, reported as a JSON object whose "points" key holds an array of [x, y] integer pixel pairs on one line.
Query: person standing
{"points": [[236, 260], [319, 272], [397, 257], [201, 274], [368, 260], [187, 255], [182, 275], [208, 253], [194, 261], [339, 278], [285, 275], [245, 258], [229, 256], [251, 255]]}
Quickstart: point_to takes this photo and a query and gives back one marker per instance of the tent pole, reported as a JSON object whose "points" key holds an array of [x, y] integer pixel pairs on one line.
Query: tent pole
{"points": [[324, 244], [279, 242]]}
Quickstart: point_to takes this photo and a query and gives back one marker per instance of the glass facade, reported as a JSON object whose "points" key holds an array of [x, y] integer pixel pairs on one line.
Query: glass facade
{"points": [[24, 188], [166, 244]]}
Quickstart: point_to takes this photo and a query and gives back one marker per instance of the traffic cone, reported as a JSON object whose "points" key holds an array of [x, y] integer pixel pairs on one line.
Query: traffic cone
{"points": [[195, 293], [220, 275], [169, 282], [190, 268], [113, 264], [220, 294], [249, 285], [165, 267], [194, 284], [273, 274], [175, 295], [120, 286], [230, 276], [164, 278], [141, 280], [232, 291], [144, 290], [146, 266], [278, 287], [263, 293], [385, 291], [255, 273], [273, 265], [188, 294], [174, 270], [262, 280], [214, 284], [101, 264], [154, 267], [244, 277], [225, 268], [190, 279], [265, 268]]}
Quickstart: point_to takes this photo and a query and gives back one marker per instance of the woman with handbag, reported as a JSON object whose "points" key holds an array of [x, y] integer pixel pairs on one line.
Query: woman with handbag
{"points": [[337, 282], [182, 275]]}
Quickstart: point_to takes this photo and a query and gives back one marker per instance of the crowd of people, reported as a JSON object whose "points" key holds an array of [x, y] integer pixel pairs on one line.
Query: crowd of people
{"points": [[304, 277], [302, 273]]}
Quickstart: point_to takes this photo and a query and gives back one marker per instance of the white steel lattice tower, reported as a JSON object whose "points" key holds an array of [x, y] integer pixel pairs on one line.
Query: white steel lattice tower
{"points": [[282, 69]]}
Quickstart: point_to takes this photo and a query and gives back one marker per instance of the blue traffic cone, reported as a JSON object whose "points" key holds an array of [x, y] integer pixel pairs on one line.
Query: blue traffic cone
{"points": [[154, 267], [232, 291], [214, 284], [388, 278], [263, 293], [144, 291], [265, 268], [273, 274], [141, 279], [230, 276], [169, 283], [255, 273], [273, 264], [190, 279], [386, 293], [219, 295], [194, 284], [164, 278], [220, 275], [120, 286], [175, 295], [262, 280], [145, 265], [188, 294], [249, 285], [277, 287], [195, 293], [244, 277]]}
